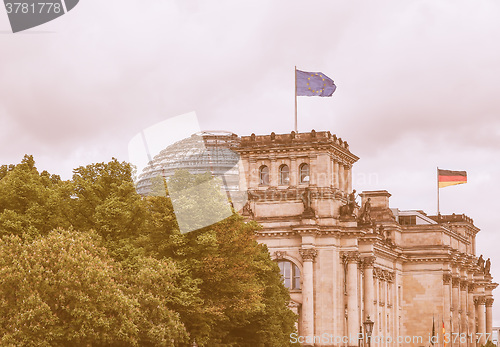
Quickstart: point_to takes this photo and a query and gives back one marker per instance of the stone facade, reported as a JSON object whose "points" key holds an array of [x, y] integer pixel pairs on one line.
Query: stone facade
{"points": [[400, 268]]}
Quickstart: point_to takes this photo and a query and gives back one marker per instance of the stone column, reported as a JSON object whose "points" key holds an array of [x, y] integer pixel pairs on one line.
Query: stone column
{"points": [[368, 289], [481, 319], [254, 173], [349, 178], [352, 258], [294, 172], [463, 309], [336, 174], [472, 315], [273, 173], [447, 301], [313, 170], [341, 178], [455, 304], [489, 317], [308, 256]]}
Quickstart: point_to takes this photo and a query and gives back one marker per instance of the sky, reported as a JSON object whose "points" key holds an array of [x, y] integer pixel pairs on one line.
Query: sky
{"points": [[417, 84]]}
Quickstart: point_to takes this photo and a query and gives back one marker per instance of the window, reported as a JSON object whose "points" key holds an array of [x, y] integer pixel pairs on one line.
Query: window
{"points": [[304, 173], [290, 274], [408, 220], [264, 175], [284, 175]]}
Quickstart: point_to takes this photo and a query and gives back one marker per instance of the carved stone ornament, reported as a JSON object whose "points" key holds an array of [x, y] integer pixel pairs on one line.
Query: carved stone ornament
{"points": [[308, 254], [472, 286], [368, 261], [455, 281], [446, 278], [350, 257], [383, 275], [489, 302], [480, 300], [279, 254], [464, 285]]}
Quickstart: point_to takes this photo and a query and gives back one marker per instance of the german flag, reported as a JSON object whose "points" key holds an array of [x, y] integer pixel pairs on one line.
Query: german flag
{"points": [[449, 178]]}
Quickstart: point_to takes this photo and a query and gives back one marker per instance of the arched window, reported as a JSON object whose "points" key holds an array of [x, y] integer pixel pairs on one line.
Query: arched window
{"points": [[290, 274], [304, 173], [264, 175], [284, 175]]}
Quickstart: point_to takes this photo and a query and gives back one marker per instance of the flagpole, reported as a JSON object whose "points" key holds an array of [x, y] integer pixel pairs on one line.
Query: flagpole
{"points": [[437, 178], [296, 98]]}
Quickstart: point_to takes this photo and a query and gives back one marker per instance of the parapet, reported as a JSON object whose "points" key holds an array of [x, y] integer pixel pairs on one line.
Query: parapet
{"points": [[452, 218], [294, 138]]}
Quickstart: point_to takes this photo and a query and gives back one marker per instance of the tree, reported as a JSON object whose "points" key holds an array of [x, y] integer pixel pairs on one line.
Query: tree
{"points": [[30, 201], [245, 303], [215, 285], [104, 199], [63, 289]]}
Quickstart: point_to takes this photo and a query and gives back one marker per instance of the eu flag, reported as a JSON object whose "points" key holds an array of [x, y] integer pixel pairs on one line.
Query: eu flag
{"points": [[314, 84]]}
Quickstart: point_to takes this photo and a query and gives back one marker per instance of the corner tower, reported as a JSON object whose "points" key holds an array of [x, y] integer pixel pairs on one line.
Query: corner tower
{"points": [[296, 176]]}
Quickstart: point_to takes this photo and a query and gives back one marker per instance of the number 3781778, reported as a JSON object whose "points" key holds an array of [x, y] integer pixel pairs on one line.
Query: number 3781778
{"points": [[36, 7]]}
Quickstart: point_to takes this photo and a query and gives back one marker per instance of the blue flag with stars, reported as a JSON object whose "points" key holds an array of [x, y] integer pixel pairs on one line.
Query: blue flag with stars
{"points": [[314, 84]]}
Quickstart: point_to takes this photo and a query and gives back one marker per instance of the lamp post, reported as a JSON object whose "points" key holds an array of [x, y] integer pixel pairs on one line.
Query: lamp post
{"points": [[368, 325]]}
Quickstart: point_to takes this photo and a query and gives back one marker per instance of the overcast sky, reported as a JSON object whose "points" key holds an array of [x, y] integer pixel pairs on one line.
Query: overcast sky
{"points": [[417, 87]]}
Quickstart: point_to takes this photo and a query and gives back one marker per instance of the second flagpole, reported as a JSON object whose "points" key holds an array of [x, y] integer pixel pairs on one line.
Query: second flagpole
{"points": [[437, 178], [295, 74]]}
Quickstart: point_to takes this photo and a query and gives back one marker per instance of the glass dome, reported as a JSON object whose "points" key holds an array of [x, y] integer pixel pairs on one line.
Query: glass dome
{"points": [[207, 151]]}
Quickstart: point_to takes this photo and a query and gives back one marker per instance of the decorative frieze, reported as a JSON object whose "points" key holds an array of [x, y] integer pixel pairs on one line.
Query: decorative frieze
{"points": [[308, 254], [383, 275]]}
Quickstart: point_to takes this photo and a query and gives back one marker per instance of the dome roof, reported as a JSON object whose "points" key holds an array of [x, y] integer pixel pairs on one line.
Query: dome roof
{"points": [[207, 151]]}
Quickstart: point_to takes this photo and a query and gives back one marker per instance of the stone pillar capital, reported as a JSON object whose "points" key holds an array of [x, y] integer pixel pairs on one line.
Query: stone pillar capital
{"points": [[446, 278], [472, 286], [367, 262], [464, 285], [479, 300], [350, 257], [489, 302], [455, 281], [308, 254]]}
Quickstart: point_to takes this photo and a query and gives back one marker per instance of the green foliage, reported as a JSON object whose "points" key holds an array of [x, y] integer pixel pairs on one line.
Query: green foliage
{"points": [[63, 289], [489, 343], [198, 200], [29, 202], [103, 198], [125, 275]]}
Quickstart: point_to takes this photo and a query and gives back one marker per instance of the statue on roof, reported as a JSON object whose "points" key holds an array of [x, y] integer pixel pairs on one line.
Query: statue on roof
{"points": [[480, 262], [487, 267], [348, 209], [364, 217]]}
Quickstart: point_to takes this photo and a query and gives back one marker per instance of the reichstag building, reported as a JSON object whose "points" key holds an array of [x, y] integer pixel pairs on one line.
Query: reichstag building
{"points": [[342, 260]]}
